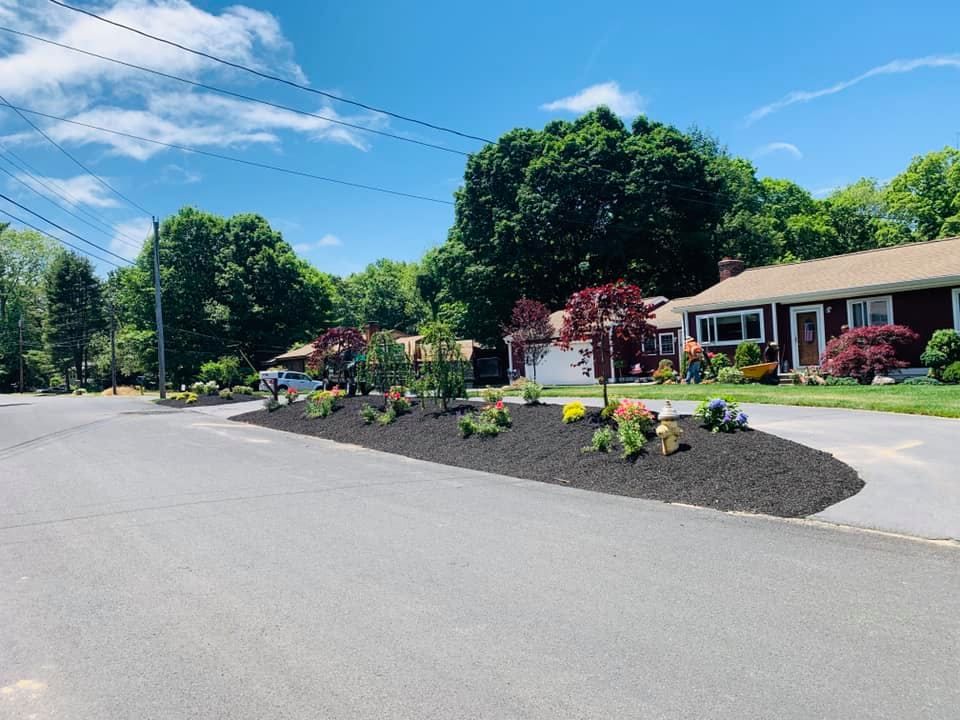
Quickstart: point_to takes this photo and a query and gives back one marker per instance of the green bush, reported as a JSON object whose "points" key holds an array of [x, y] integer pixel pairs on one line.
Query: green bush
{"points": [[444, 370], [922, 380], [492, 394], [270, 404], [951, 373], [531, 392], [601, 441], [747, 353], [226, 394], [387, 416], [832, 380], [609, 409], [942, 350], [224, 372], [241, 390], [368, 413], [253, 380], [730, 376]]}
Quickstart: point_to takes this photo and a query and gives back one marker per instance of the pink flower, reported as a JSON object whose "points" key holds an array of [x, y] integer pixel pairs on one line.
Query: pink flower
{"points": [[499, 405]]}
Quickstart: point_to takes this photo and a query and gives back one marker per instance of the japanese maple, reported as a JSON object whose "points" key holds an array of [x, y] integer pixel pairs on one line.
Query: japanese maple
{"points": [[530, 331]]}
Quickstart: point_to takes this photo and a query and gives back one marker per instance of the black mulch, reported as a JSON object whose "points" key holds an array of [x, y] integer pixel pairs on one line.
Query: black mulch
{"points": [[204, 400], [747, 470]]}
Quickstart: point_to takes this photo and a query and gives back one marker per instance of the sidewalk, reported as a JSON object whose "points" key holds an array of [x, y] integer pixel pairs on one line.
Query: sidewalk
{"points": [[909, 462]]}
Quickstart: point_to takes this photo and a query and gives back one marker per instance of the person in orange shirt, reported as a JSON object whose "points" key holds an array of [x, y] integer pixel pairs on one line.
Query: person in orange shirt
{"points": [[693, 354]]}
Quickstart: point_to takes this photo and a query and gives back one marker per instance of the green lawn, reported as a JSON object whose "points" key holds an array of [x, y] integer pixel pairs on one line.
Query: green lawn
{"points": [[941, 400]]}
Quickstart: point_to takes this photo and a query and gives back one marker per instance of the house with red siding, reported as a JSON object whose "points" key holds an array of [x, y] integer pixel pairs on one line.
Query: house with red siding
{"points": [[801, 305]]}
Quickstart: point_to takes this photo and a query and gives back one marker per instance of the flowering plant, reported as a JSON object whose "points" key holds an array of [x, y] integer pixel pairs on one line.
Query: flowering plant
{"points": [[633, 421], [321, 403], [397, 399], [489, 421], [720, 415], [573, 411]]}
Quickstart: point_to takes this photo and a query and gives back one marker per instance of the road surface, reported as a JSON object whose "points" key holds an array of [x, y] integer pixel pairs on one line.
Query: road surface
{"points": [[170, 564]]}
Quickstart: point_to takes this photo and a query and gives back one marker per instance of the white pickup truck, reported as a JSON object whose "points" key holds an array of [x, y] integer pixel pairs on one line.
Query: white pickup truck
{"points": [[287, 379]]}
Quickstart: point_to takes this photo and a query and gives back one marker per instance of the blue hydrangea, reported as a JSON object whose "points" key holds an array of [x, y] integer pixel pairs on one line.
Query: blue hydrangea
{"points": [[742, 418], [717, 404], [727, 417]]}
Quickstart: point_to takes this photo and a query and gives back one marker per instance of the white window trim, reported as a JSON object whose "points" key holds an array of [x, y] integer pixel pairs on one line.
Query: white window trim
{"points": [[737, 313], [821, 332], [955, 296], [887, 298], [643, 346], [673, 341]]}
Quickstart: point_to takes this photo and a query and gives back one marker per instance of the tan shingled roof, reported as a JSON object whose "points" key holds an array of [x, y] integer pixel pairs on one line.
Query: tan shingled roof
{"points": [[667, 316], [301, 353], [936, 261]]}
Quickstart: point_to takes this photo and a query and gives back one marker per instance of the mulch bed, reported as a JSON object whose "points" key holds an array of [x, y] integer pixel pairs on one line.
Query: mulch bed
{"points": [[205, 400], [748, 470]]}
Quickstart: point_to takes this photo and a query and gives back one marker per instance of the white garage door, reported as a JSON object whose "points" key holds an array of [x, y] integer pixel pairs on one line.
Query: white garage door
{"points": [[555, 368]]}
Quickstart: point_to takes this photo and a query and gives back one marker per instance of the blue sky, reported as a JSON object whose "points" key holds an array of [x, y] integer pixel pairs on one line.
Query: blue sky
{"points": [[821, 93]]}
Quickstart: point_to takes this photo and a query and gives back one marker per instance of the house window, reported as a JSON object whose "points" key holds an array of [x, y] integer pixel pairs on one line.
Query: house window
{"points": [[870, 311], [731, 328], [667, 344], [956, 309], [649, 345]]}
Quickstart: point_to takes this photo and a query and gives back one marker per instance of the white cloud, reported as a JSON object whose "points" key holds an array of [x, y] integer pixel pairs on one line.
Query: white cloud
{"points": [[130, 236], [326, 241], [86, 89], [177, 174], [625, 104], [82, 189], [773, 147], [895, 67]]}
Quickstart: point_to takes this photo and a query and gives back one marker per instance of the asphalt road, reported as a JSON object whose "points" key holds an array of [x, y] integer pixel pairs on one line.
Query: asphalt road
{"points": [[168, 564]]}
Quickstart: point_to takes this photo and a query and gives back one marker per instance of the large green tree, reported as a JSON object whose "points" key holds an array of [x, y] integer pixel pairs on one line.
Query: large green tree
{"points": [[74, 300], [385, 292]]}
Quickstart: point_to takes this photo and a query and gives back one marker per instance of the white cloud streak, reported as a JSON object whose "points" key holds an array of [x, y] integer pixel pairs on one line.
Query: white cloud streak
{"points": [[137, 229], [82, 189], [895, 67], [774, 147], [625, 104], [89, 90], [326, 241]]}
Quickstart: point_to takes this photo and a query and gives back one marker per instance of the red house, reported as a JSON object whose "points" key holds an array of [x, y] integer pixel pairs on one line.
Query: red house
{"points": [[802, 305]]}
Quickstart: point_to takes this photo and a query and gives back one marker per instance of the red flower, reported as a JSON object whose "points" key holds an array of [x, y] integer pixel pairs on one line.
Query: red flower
{"points": [[499, 405]]}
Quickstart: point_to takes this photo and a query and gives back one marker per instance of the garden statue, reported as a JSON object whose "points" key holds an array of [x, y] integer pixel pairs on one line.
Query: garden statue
{"points": [[668, 430]]}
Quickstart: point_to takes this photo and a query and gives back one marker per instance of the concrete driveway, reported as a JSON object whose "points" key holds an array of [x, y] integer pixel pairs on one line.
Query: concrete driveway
{"points": [[910, 463], [170, 564]]}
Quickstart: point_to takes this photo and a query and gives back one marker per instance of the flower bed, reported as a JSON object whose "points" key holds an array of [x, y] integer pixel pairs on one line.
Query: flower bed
{"points": [[746, 470]]}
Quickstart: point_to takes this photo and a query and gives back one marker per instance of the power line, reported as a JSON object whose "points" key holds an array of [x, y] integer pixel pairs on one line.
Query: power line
{"points": [[231, 93], [54, 237], [79, 164], [276, 78], [230, 158], [25, 167], [58, 205], [69, 232]]}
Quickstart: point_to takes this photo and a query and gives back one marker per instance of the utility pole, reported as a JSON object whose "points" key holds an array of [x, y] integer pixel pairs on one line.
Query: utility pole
{"points": [[161, 350], [20, 329], [113, 346]]}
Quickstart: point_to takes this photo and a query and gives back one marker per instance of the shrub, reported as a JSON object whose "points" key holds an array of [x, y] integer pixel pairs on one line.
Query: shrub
{"points": [[335, 352], [730, 376], [866, 352], [942, 350], [492, 395], [79, 391], [224, 372], [291, 394], [242, 390], [191, 398], [387, 416], [831, 380], [633, 421], [747, 353], [368, 413], [951, 373], [420, 388], [609, 409], [531, 392], [321, 403], [922, 380], [720, 415], [489, 421], [715, 362], [498, 414], [444, 368], [601, 441], [270, 404], [252, 380], [573, 411], [226, 394], [397, 400]]}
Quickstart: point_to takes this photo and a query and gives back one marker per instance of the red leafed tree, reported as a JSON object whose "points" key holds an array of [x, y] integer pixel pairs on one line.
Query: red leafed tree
{"points": [[593, 314], [335, 349], [530, 331], [863, 353]]}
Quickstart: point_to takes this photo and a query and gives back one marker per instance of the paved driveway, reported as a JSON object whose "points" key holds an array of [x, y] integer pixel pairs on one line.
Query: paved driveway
{"points": [[165, 564], [910, 463]]}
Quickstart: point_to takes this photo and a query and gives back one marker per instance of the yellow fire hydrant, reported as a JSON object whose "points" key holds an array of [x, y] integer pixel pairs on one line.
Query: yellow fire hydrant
{"points": [[668, 430]]}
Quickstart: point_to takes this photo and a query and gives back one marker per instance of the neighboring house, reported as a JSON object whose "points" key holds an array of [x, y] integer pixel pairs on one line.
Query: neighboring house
{"points": [[295, 359], [486, 364], [802, 305], [563, 367]]}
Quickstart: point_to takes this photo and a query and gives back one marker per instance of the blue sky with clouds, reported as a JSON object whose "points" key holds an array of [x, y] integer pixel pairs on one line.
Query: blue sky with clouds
{"points": [[821, 93]]}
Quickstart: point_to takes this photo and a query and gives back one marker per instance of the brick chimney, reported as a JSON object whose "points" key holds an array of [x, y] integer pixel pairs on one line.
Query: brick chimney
{"points": [[731, 267]]}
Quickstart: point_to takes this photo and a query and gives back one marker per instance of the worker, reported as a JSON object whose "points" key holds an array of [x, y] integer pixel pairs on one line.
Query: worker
{"points": [[693, 355], [771, 353]]}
